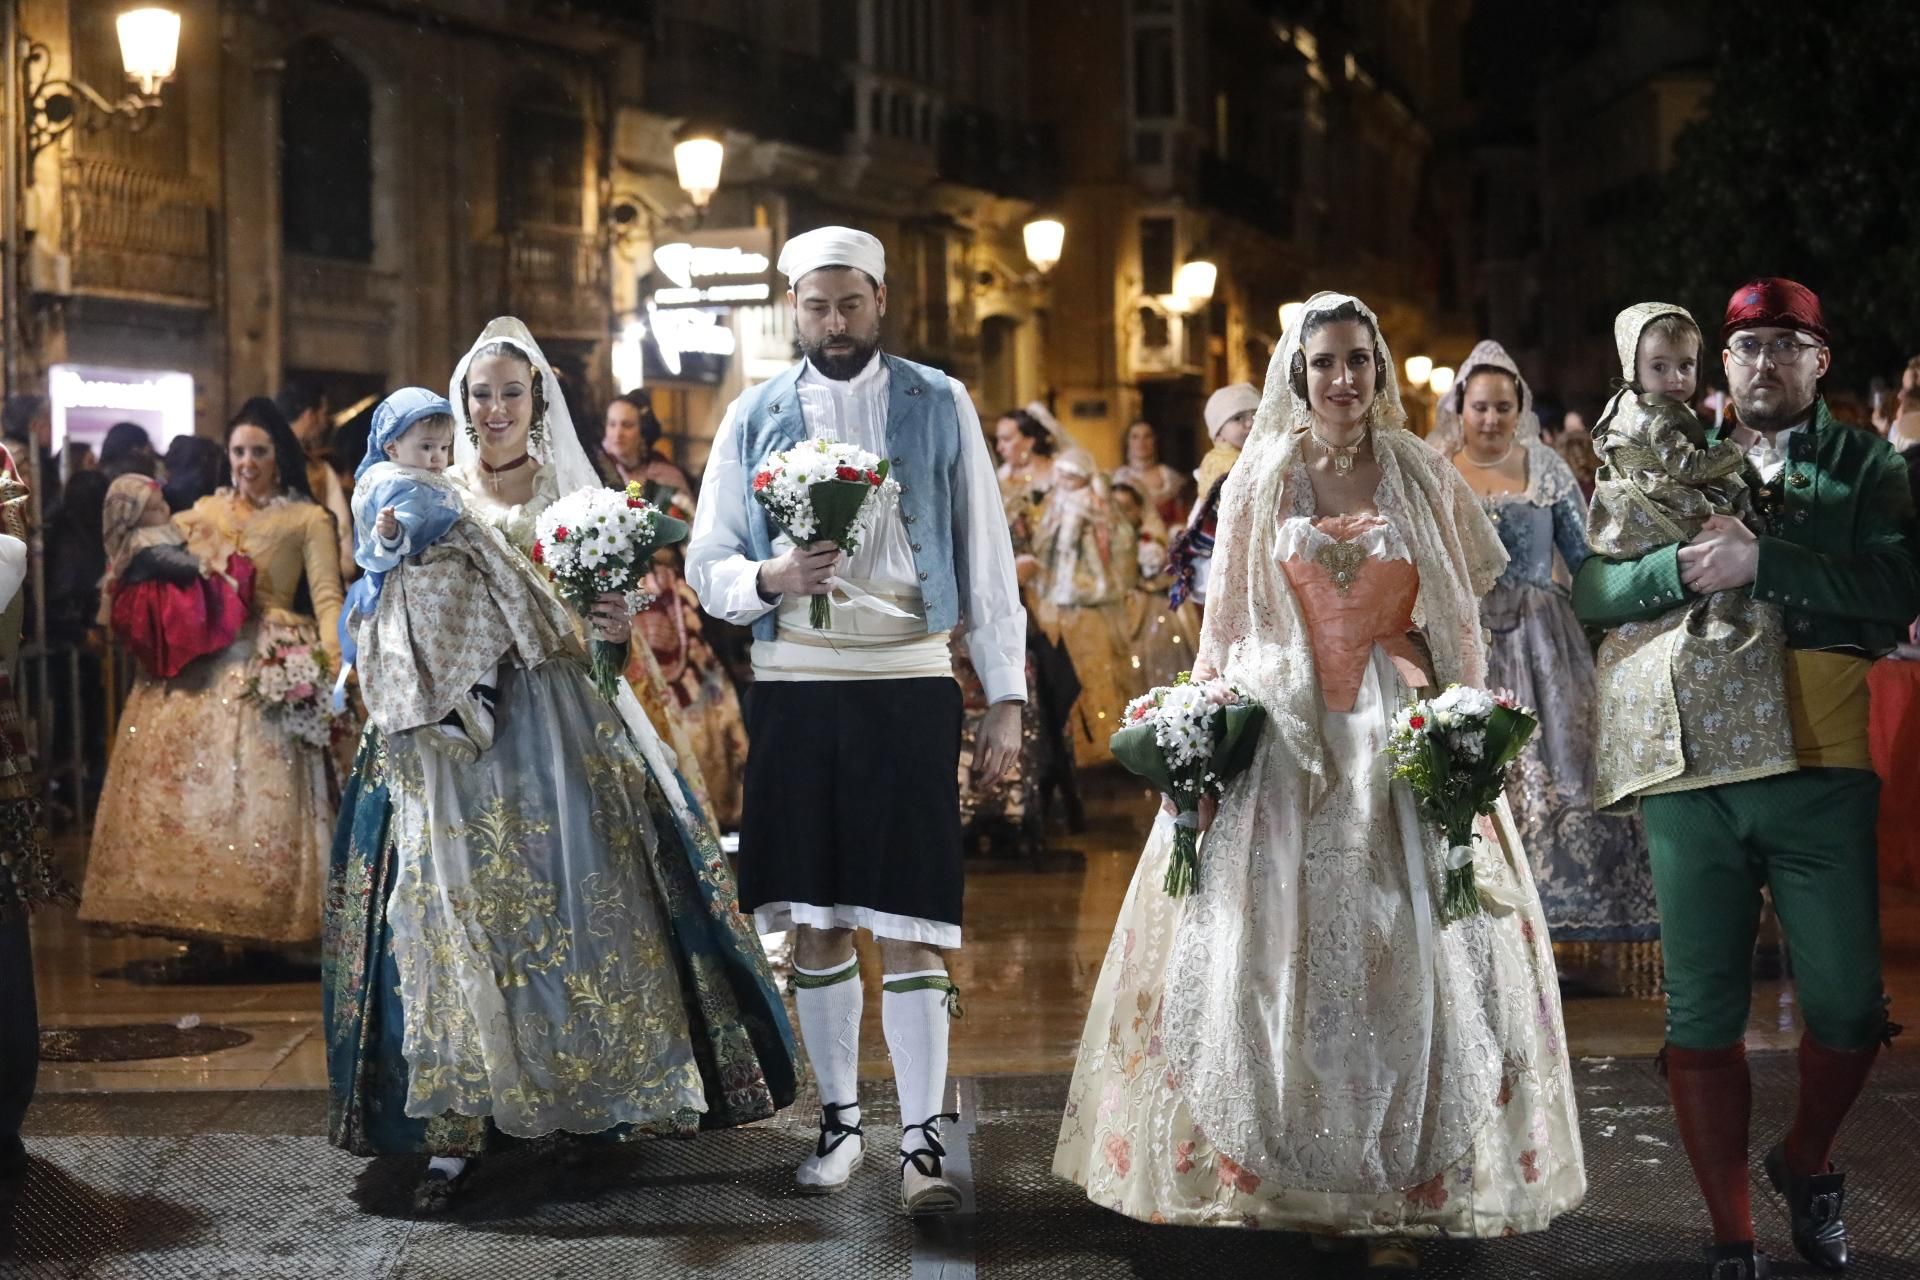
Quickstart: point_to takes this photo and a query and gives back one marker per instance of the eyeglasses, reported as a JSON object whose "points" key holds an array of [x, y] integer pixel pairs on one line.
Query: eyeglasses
{"points": [[1747, 349]]}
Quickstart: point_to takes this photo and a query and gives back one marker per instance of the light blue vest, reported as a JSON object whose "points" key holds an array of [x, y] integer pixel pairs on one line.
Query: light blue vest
{"points": [[923, 443]]}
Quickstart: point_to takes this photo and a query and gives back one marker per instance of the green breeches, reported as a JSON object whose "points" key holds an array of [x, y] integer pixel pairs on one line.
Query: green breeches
{"points": [[1810, 838]]}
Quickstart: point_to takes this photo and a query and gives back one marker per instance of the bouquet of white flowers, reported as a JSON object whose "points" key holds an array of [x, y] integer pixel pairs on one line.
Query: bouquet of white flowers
{"points": [[1188, 740], [291, 678], [825, 491], [598, 541], [1454, 751]]}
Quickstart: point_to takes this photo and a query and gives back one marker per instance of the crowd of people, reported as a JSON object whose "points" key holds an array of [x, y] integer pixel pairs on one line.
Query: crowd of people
{"points": [[515, 883]]}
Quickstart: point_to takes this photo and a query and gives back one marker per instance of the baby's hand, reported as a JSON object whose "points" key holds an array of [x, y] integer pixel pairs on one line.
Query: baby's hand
{"points": [[386, 525]]}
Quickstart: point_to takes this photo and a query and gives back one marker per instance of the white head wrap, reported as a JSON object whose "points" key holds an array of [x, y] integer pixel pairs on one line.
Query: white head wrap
{"points": [[1234, 398], [1448, 434], [833, 247], [560, 449]]}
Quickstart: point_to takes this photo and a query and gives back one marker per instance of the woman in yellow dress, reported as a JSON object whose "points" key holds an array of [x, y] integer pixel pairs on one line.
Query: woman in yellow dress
{"points": [[215, 819]]}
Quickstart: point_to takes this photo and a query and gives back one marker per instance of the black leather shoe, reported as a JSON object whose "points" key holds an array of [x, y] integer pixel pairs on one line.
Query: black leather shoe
{"points": [[1736, 1262], [438, 1190], [1813, 1205]]}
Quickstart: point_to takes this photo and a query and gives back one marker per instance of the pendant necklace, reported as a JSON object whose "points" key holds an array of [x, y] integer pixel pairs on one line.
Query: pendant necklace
{"points": [[515, 465], [1342, 454]]}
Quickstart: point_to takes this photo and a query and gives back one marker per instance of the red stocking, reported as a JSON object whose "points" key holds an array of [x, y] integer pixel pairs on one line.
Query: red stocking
{"points": [[1830, 1080], [1712, 1102]]}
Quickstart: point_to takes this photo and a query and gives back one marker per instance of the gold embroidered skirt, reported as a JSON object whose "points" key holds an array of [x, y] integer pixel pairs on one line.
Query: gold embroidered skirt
{"points": [[214, 822]]}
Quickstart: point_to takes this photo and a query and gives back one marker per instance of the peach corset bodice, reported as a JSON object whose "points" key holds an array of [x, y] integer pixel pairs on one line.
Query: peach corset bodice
{"points": [[1356, 585]]}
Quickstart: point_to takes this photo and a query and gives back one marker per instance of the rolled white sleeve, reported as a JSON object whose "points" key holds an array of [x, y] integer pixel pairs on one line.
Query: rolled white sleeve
{"points": [[725, 579], [993, 623]]}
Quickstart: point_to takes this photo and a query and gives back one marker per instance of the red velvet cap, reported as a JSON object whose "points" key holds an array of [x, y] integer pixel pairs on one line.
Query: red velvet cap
{"points": [[1774, 302]]}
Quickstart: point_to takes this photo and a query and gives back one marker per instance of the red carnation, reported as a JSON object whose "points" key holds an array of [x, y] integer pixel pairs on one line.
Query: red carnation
{"points": [[635, 503], [762, 480], [560, 534], [1416, 722], [873, 478], [846, 473], [539, 554]]}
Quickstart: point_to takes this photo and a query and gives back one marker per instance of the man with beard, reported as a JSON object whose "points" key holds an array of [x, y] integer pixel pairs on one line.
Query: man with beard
{"points": [[851, 814], [1836, 555]]}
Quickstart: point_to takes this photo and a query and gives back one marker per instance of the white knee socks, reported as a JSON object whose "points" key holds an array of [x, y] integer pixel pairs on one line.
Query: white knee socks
{"points": [[914, 1011], [828, 1002]]}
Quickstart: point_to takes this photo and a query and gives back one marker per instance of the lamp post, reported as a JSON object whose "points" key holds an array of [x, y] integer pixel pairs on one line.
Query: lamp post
{"points": [[1045, 240], [46, 108]]}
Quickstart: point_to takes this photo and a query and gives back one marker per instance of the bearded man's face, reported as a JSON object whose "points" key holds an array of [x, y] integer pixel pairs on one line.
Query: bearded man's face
{"points": [[836, 315]]}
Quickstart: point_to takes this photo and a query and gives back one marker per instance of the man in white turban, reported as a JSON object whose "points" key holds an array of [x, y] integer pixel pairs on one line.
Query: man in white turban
{"points": [[851, 807]]}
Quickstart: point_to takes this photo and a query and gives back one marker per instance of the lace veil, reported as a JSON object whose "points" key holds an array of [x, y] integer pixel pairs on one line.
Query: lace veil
{"points": [[1448, 434], [558, 449]]}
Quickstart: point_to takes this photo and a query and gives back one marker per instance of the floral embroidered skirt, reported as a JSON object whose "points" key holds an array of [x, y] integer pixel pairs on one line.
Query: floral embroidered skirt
{"points": [[1592, 870], [571, 958], [214, 821], [1478, 1108]]}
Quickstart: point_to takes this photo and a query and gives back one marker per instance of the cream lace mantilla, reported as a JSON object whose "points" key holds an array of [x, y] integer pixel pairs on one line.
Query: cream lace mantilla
{"points": [[1320, 1025]]}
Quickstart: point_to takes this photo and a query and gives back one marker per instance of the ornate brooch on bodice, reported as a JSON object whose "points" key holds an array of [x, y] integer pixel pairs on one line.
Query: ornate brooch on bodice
{"points": [[1342, 561]]}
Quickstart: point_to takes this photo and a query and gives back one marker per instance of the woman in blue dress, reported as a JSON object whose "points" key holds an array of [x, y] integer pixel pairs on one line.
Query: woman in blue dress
{"points": [[547, 942], [1595, 882]]}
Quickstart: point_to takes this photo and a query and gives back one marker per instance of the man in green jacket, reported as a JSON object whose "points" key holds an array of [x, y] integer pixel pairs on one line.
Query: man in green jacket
{"points": [[1838, 557]]}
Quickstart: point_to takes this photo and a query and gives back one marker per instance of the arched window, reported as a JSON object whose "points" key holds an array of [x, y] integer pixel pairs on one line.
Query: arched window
{"points": [[543, 166], [326, 155]]}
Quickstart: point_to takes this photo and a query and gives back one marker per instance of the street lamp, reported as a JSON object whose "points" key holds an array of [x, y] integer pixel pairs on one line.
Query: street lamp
{"points": [[696, 162], [149, 46], [149, 51], [1193, 285], [1044, 237], [1419, 369], [1440, 380]]}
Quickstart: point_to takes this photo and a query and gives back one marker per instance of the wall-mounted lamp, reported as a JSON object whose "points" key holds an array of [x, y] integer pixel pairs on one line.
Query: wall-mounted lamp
{"points": [[1193, 285], [149, 52], [696, 163], [1044, 238]]}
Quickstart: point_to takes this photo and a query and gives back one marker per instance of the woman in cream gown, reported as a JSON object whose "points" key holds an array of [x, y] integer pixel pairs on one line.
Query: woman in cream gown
{"points": [[1301, 1044], [214, 821], [547, 942]]}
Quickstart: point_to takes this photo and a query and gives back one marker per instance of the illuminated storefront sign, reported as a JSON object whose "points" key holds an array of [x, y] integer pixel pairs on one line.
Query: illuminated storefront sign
{"points": [[687, 328], [87, 400], [710, 268]]}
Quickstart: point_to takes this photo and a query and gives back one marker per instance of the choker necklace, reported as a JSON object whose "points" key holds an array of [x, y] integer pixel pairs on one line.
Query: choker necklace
{"points": [[515, 465], [1342, 454], [1488, 466]]}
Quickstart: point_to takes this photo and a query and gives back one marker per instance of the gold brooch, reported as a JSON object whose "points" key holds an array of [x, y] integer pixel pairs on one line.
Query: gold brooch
{"points": [[1799, 480], [1342, 561]]}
